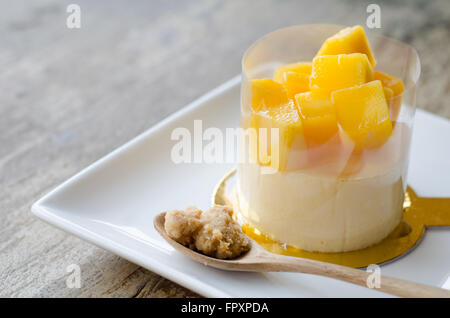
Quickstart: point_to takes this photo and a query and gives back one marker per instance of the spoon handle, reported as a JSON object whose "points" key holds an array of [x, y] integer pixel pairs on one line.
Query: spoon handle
{"points": [[390, 285]]}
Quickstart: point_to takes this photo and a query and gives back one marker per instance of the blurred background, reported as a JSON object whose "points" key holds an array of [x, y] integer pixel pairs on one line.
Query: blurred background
{"points": [[70, 96]]}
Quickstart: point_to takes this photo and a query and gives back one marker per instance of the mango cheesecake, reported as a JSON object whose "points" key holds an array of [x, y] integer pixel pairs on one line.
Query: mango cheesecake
{"points": [[327, 151]]}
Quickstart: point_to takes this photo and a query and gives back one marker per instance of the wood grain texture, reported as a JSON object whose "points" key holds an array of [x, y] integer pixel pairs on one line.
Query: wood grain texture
{"points": [[68, 97]]}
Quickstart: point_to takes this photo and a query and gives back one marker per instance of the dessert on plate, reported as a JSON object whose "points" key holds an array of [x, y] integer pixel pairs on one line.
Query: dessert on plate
{"points": [[329, 128]]}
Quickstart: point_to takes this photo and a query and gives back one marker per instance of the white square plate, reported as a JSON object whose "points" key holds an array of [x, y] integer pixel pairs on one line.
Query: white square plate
{"points": [[112, 204]]}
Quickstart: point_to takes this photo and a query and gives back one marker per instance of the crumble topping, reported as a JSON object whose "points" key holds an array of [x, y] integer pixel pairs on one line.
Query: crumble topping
{"points": [[213, 232]]}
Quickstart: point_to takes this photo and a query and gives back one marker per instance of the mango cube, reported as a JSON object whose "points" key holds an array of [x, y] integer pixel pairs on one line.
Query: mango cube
{"points": [[278, 131], [346, 41], [333, 72], [395, 85], [388, 94], [389, 81], [295, 83], [363, 114], [318, 117], [302, 67], [266, 94]]}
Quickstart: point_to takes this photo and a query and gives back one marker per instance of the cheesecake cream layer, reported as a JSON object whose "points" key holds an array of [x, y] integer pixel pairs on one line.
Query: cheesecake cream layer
{"points": [[320, 213]]}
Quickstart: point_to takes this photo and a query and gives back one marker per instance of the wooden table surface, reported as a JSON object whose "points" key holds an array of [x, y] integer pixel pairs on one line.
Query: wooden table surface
{"points": [[70, 96]]}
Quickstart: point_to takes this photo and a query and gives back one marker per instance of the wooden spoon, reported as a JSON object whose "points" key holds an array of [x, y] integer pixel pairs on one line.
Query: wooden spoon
{"points": [[258, 259]]}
